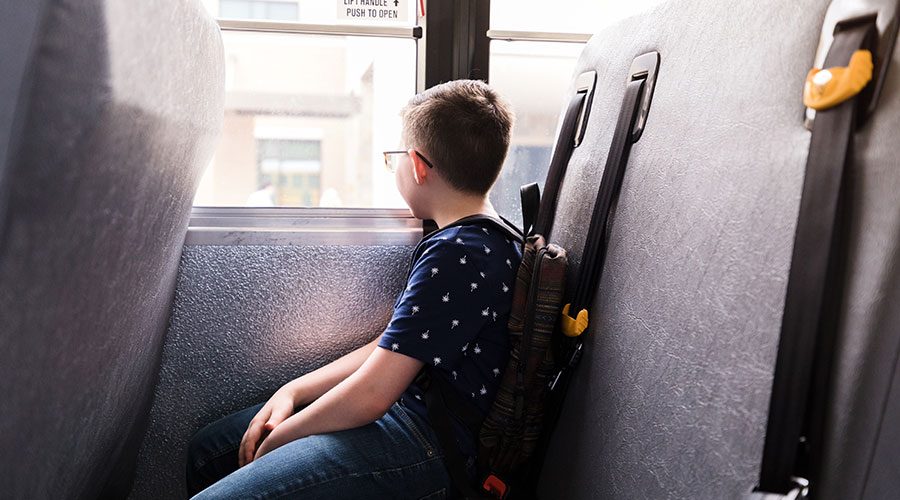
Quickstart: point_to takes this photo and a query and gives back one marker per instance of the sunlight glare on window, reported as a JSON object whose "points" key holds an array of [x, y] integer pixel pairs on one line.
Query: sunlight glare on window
{"points": [[563, 16], [534, 78], [306, 120]]}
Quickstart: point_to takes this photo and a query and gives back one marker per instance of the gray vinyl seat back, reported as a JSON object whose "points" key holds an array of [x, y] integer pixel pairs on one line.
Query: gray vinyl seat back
{"points": [[671, 397], [110, 111]]}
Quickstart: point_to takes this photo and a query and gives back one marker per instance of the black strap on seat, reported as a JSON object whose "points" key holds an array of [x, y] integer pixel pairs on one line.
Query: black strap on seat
{"points": [[531, 201], [574, 122], [813, 285], [610, 184], [635, 105]]}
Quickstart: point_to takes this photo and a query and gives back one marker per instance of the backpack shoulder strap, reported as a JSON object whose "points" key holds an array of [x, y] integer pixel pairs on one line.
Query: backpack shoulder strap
{"points": [[442, 401]]}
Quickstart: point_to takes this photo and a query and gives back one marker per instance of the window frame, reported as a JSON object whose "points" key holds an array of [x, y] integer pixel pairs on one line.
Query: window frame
{"points": [[305, 226], [458, 27]]}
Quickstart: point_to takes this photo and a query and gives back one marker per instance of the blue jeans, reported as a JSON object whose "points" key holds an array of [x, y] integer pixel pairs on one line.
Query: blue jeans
{"points": [[397, 456]]}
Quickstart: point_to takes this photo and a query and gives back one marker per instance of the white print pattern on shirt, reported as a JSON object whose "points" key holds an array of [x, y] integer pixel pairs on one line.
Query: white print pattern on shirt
{"points": [[426, 295], [485, 230]]}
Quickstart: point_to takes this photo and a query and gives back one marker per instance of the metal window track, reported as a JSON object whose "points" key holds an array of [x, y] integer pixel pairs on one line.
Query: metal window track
{"points": [[279, 226], [537, 36], [259, 26]]}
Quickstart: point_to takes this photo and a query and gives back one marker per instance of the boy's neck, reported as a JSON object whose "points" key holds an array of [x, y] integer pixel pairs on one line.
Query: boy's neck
{"points": [[464, 207]]}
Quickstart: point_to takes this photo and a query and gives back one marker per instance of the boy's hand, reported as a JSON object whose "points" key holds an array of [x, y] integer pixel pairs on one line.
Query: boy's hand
{"points": [[279, 407]]}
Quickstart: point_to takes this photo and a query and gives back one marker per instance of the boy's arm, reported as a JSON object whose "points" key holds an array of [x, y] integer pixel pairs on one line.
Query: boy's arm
{"points": [[359, 399], [299, 391], [311, 386]]}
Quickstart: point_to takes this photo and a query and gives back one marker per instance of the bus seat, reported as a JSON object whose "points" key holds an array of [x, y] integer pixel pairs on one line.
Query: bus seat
{"points": [[109, 111], [670, 399]]}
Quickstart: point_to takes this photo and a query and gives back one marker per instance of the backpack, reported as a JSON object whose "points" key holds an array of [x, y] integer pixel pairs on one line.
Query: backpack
{"points": [[510, 432]]}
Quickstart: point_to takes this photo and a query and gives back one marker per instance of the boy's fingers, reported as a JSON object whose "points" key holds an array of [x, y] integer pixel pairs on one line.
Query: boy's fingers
{"points": [[278, 416], [248, 443], [251, 436], [247, 453], [241, 451]]}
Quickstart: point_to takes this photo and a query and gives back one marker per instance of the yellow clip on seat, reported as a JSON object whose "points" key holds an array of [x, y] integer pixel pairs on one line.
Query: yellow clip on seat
{"points": [[826, 88], [574, 327]]}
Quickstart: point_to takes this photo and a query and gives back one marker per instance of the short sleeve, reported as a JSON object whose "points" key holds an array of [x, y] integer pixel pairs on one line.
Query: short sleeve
{"points": [[443, 308]]}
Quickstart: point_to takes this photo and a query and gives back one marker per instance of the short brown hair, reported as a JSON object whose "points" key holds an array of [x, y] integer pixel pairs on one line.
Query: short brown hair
{"points": [[463, 127]]}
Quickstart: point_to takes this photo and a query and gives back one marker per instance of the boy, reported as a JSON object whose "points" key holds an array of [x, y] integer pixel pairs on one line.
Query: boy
{"points": [[363, 430]]}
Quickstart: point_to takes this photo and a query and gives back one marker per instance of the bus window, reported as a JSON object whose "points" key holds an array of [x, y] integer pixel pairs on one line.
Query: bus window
{"points": [[306, 116]]}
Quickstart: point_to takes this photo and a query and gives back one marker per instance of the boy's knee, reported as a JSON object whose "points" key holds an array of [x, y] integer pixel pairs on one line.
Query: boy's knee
{"points": [[201, 449], [212, 450], [193, 462], [196, 447]]}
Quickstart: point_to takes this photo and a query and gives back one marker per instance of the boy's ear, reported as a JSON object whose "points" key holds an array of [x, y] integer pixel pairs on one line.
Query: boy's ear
{"points": [[420, 169]]}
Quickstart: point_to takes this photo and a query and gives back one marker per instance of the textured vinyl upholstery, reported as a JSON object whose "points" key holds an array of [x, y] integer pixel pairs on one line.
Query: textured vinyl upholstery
{"points": [[246, 320], [671, 397], [111, 109]]}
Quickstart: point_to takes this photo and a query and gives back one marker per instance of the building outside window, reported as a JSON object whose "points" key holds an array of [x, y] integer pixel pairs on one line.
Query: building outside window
{"points": [[291, 168]]}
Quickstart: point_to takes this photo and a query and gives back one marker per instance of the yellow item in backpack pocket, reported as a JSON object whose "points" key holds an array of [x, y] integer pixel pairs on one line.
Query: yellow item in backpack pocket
{"points": [[826, 88], [574, 327]]}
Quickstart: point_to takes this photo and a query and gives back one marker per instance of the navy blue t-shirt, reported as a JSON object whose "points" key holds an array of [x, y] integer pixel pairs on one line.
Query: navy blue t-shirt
{"points": [[453, 314]]}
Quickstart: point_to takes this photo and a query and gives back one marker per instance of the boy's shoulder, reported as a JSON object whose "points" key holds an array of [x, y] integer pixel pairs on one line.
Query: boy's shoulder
{"points": [[483, 245], [475, 235]]}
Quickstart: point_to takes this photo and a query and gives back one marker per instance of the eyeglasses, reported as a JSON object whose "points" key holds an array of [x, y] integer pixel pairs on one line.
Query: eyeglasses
{"points": [[392, 159]]}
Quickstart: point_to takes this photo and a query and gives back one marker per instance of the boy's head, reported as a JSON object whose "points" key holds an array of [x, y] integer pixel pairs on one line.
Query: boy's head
{"points": [[463, 128]]}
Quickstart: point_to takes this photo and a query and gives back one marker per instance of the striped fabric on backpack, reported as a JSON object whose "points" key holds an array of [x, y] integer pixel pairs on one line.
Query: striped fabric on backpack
{"points": [[511, 429]]}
